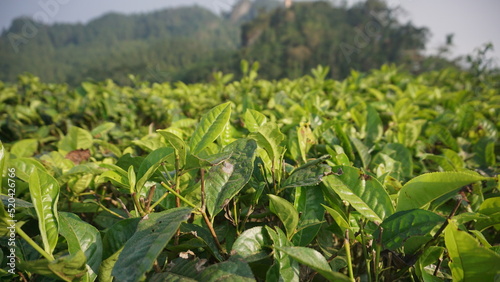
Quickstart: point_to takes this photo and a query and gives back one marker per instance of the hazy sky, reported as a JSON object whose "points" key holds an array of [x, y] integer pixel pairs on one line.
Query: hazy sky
{"points": [[473, 22]]}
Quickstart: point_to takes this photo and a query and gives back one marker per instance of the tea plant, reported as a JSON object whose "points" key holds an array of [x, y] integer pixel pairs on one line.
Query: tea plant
{"points": [[380, 177]]}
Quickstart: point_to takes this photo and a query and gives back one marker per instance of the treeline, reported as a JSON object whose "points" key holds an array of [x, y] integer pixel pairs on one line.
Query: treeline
{"points": [[190, 43]]}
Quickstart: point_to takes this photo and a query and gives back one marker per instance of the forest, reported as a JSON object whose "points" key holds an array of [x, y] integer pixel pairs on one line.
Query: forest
{"points": [[309, 143], [189, 44]]}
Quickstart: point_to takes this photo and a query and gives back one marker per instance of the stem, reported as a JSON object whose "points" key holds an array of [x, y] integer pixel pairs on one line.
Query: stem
{"points": [[150, 197], [212, 232], [179, 196], [453, 212], [203, 195], [431, 242], [137, 204], [378, 246], [108, 210], [365, 251], [438, 265], [33, 244], [153, 206], [347, 246]]}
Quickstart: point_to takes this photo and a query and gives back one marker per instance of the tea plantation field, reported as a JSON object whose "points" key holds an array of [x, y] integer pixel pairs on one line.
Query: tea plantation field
{"points": [[381, 177]]}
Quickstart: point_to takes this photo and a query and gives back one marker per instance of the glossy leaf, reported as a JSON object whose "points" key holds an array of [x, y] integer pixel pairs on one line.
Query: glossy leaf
{"points": [[374, 126], [151, 163], [178, 144], [82, 237], [77, 138], [339, 219], [491, 208], [362, 150], [425, 188], [307, 176], [117, 235], [24, 148], [308, 202], [269, 138], [254, 120], [209, 128], [284, 268], [251, 245], [400, 226], [102, 129], [152, 235], [25, 167], [314, 260], [364, 193], [225, 180], [469, 260], [285, 212], [44, 191]]}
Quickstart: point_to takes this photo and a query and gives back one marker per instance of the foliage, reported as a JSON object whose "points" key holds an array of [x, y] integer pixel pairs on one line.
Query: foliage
{"points": [[190, 43], [380, 177]]}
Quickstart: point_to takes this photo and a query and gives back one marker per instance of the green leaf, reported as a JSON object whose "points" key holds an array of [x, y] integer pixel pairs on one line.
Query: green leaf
{"points": [[491, 208], [183, 269], [106, 267], [284, 266], [225, 180], [339, 219], [83, 237], [204, 235], [251, 244], [307, 176], [25, 167], [70, 268], [308, 202], [285, 212], [363, 151], [233, 270], [429, 256], [102, 129], [269, 137], [178, 144], [400, 226], [469, 260], [425, 188], [314, 260], [253, 120], [115, 178], [24, 148], [364, 193], [77, 138], [150, 164], [141, 250], [344, 141], [117, 235], [170, 277], [374, 126], [209, 128], [44, 191], [132, 179]]}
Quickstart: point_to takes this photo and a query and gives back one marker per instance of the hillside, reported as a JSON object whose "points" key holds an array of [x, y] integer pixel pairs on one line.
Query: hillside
{"points": [[115, 45], [191, 43]]}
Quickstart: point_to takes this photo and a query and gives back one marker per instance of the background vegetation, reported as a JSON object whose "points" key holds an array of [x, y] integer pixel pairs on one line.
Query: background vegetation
{"points": [[188, 44]]}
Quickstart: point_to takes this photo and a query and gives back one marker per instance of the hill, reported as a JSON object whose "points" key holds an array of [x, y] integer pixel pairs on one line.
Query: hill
{"points": [[190, 43]]}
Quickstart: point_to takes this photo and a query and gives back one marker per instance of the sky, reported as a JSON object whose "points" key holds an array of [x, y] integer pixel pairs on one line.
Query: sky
{"points": [[473, 23]]}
